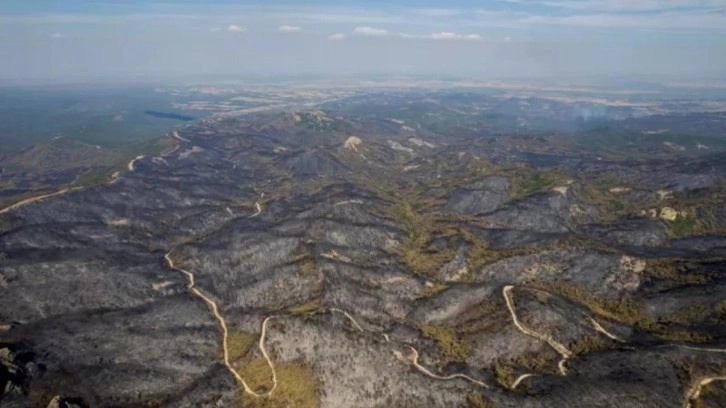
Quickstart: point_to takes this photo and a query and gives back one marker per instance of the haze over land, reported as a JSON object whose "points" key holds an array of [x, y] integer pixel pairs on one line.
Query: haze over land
{"points": [[82, 40]]}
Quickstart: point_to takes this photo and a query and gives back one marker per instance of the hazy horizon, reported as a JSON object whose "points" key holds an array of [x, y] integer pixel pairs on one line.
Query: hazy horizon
{"points": [[174, 39]]}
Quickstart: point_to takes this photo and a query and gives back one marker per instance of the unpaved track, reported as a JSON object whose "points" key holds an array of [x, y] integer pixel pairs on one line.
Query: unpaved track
{"points": [[132, 162], [428, 373], [344, 313], [258, 207], [564, 351], [602, 330], [176, 136], [519, 380], [37, 198], [191, 285], [695, 391]]}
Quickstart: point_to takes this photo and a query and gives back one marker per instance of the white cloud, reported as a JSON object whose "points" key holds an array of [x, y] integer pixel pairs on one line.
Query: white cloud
{"points": [[289, 29], [445, 35], [57, 36], [370, 31], [454, 36], [236, 29], [337, 37], [215, 30]]}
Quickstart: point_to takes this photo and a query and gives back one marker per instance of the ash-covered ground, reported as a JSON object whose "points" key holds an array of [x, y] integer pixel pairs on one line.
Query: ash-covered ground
{"points": [[322, 258]]}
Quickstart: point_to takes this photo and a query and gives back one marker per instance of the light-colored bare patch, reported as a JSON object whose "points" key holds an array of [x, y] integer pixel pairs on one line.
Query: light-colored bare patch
{"points": [[562, 190], [664, 194], [632, 264], [668, 214], [421, 142], [346, 202], [618, 190], [161, 285], [176, 135], [547, 267], [187, 153], [118, 222], [392, 245], [333, 254], [459, 274], [628, 276], [395, 279], [397, 146], [159, 161], [576, 210], [411, 167], [133, 162], [280, 149], [674, 146], [352, 143]]}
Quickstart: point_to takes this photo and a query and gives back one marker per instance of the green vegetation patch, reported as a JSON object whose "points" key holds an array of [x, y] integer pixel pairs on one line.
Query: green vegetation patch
{"points": [[97, 176], [529, 181], [683, 225]]}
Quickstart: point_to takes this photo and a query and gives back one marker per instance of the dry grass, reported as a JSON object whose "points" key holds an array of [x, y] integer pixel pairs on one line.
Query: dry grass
{"points": [[446, 338], [239, 344], [478, 401], [589, 344], [305, 308], [296, 385], [257, 374], [307, 268], [624, 310], [430, 290], [504, 375], [419, 228]]}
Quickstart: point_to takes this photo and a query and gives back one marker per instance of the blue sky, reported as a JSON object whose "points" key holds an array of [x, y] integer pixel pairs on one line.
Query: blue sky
{"points": [[74, 39]]}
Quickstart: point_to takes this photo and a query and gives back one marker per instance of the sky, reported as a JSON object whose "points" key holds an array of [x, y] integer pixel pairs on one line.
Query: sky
{"points": [[176, 39]]}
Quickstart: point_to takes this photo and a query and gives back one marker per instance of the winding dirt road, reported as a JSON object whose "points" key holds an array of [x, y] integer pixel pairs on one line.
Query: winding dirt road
{"points": [[176, 136], [425, 371], [598, 328], [39, 198], [258, 207], [519, 380], [695, 391], [346, 314], [560, 348], [191, 285], [130, 166]]}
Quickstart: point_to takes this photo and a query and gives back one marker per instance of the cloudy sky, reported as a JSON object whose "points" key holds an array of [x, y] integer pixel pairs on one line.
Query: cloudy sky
{"points": [[74, 39]]}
